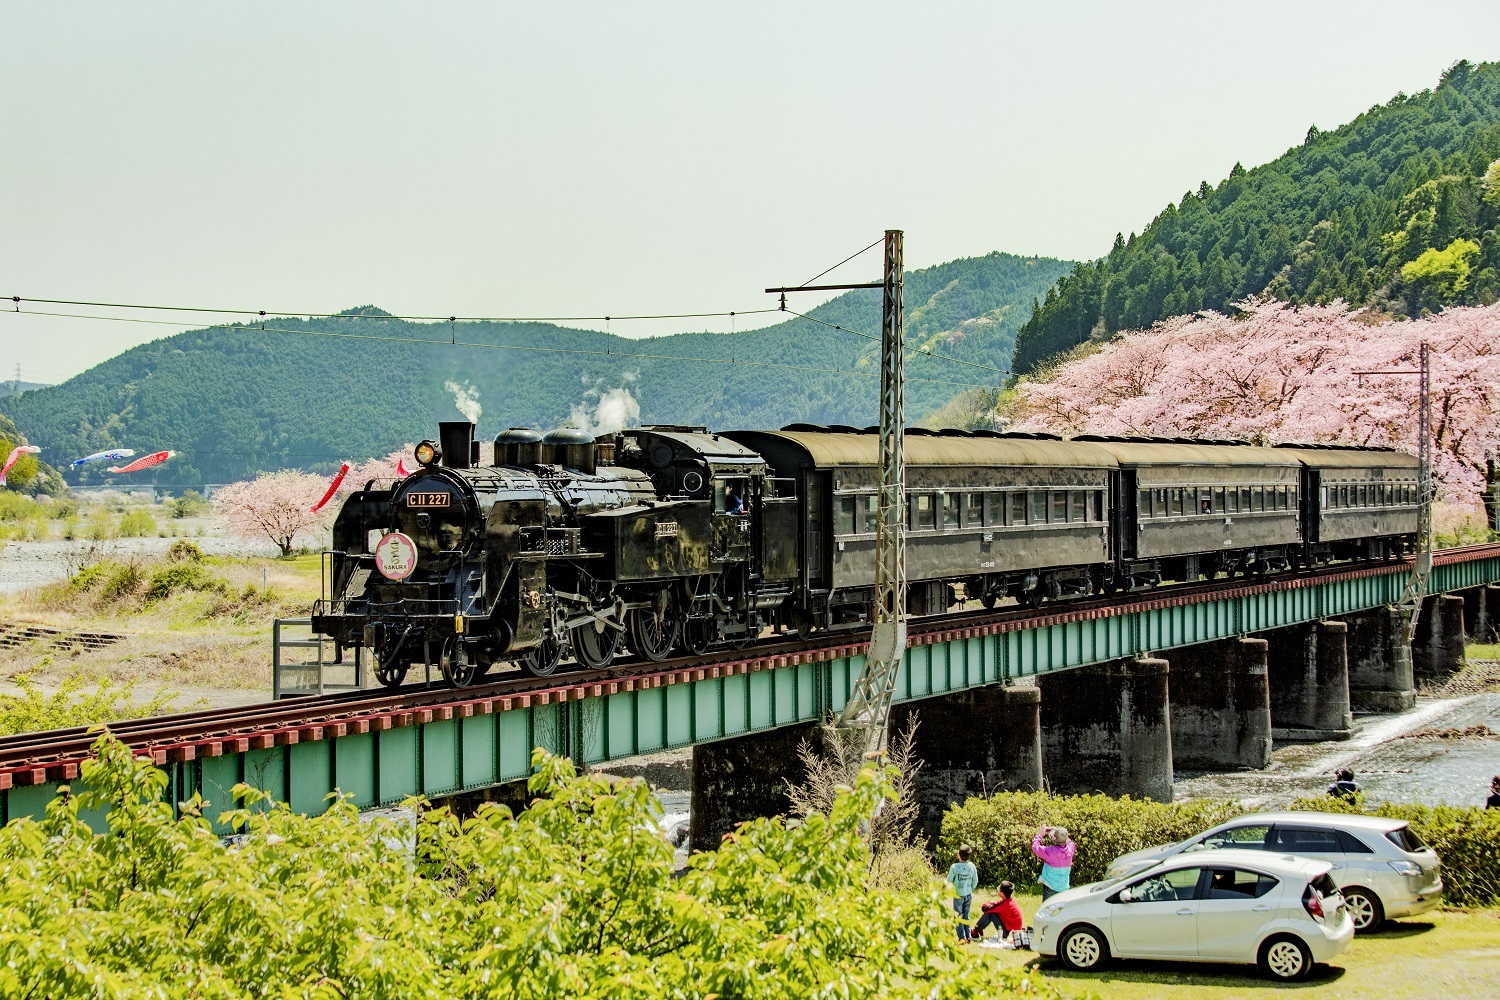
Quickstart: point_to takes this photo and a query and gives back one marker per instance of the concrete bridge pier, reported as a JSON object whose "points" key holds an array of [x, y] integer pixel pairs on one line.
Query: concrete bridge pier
{"points": [[742, 778], [1482, 612], [1221, 706], [975, 742], [1108, 728], [1438, 650], [1308, 674], [1380, 669]]}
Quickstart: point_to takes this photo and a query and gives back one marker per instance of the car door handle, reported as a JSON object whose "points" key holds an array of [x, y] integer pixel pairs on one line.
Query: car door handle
{"points": [[1260, 909], [1184, 913]]}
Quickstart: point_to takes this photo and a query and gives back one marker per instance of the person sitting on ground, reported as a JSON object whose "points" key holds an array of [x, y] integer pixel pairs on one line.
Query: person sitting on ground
{"points": [[1343, 786], [1056, 850], [1002, 913], [964, 878], [1493, 802]]}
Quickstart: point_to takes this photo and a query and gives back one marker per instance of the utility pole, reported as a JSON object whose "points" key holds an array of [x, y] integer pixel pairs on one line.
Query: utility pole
{"points": [[1416, 585], [868, 708]]}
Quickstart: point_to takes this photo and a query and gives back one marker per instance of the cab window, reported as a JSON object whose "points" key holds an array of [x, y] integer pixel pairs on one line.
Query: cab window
{"points": [[1167, 887], [1236, 883]]}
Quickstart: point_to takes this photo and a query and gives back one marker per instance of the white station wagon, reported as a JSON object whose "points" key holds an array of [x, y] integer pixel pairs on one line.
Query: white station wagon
{"points": [[1381, 866], [1277, 911]]}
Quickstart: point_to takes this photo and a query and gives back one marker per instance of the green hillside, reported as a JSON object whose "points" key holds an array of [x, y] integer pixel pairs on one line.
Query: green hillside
{"points": [[235, 401], [1392, 209]]}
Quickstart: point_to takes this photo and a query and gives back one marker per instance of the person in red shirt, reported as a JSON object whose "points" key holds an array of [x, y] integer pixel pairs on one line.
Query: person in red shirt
{"points": [[1002, 913]]}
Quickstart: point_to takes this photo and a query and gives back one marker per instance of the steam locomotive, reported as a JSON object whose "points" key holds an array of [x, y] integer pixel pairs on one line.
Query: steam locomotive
{"points": [[672, 539]]}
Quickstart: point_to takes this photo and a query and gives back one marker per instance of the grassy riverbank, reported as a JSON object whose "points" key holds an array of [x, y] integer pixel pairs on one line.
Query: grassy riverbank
{"points": [[1446, 953]]}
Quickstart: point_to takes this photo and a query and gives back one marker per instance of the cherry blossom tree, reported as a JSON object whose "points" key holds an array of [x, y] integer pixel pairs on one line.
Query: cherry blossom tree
{"points": [[1278, 373], [275, 506], [379, 469]]}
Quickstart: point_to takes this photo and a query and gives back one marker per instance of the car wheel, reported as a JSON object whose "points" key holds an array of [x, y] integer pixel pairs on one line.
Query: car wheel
{"points": [[1285, 958], [1083, 948], [1364, 909]]}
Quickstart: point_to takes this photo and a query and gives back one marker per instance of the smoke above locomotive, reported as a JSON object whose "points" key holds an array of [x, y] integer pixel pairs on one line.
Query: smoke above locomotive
{"points": [[571, 546]]}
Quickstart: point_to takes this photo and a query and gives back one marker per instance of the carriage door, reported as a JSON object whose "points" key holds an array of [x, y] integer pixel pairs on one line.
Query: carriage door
{"points": [[817, 520]]}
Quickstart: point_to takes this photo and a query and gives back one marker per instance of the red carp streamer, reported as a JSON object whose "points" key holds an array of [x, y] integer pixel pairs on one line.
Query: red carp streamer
{"points": [[333, 488], [15, 456], [144, 462]]}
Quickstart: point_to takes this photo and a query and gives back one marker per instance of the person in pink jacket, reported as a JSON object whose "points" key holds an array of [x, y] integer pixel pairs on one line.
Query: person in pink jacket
{"points": [[1056, 850]]}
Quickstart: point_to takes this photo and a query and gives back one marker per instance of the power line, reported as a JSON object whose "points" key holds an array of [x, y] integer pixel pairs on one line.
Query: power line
{"points": [[16, 301], [453, 342], [844, 261]]}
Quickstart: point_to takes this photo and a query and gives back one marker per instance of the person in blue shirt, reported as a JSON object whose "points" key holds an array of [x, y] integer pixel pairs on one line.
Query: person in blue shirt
{"points": [[732, 502], [964, 878]]}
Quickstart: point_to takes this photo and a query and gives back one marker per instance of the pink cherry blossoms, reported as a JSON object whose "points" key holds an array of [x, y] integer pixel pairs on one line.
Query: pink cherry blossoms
{"points": [[1278, 373]]}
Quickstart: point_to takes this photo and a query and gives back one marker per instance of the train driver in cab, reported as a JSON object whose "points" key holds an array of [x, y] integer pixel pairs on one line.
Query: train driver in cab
{"points": [[733, 504]]}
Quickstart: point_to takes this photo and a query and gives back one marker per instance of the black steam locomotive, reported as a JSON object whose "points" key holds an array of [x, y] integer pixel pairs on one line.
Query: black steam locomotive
{"points": [[674, 539]]}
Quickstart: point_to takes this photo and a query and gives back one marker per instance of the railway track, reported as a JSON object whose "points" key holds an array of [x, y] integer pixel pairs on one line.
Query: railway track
{"points": [[55, 755]]}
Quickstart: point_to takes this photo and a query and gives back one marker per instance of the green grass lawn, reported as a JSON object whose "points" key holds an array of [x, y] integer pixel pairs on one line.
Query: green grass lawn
{"points": [[1449, 953]]}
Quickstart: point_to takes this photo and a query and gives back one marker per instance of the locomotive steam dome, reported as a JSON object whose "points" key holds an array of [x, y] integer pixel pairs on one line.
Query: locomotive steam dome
{"points": [[518, 446], [569, 447]]}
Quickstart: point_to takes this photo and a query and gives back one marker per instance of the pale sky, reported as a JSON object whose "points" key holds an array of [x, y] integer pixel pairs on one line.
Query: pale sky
{"points": [[563, 158]]}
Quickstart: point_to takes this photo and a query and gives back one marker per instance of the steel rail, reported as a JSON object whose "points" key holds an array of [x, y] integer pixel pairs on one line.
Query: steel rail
{"points": [[55, 755]]}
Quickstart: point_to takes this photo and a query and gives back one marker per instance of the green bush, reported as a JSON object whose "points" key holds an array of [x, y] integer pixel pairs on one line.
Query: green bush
{"points": [[18, 507], [578, 896], [190, 504], [123, 581], [34, 711], [99, 525], [137, 524], [904, 869], [1000, 829], [183, 576], [185, 551], [1466, 838]]}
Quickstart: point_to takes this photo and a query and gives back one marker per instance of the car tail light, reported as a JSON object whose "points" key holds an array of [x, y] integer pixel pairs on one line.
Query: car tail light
{"points": [[1312, 901], [1406, 868]]}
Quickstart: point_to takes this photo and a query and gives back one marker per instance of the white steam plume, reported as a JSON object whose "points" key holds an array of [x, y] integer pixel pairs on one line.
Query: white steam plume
{"points": [[466, 398], [614, 409]]}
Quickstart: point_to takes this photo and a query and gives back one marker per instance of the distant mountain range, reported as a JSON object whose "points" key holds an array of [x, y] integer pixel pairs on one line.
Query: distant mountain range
{"points": [[236, 401], [1396, 209], [15, 387]]}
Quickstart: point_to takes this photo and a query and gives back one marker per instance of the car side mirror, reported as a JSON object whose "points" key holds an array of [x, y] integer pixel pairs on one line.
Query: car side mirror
{"points": [[1126, 896]]}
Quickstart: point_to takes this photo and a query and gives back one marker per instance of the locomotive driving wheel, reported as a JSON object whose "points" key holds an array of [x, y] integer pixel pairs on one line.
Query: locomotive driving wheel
{"points": [[543, 660], [653, 632], [595, 644]]}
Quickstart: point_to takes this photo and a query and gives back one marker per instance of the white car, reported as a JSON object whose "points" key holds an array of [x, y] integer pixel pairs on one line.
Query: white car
{"points": [[1381, 866], [1277, 911]]}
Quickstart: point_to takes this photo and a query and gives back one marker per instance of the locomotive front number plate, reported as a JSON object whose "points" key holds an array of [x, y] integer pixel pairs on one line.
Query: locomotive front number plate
{"points": [[428, 499]]}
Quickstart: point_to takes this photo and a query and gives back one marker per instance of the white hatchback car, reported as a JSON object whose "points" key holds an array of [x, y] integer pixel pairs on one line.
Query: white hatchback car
{"points": [[1277, 911], [1381, 866]]}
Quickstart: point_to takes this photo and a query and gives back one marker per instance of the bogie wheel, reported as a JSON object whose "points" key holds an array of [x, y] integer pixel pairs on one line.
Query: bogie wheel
{"points": [[595, 644], [653, 633], [1032, 598], [1083, 948], [1285, 958], [543, 660], [454, 662], [391, 675], [989, 600], [698, 635], [1365, 909]]}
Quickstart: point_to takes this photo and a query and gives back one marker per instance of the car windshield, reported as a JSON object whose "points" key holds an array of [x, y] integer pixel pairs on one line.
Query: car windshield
{"points": [[1107, 883]]}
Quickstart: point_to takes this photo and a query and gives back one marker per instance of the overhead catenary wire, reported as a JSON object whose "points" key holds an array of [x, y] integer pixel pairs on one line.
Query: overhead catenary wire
{"points": [[454, 342], [844, 261]]}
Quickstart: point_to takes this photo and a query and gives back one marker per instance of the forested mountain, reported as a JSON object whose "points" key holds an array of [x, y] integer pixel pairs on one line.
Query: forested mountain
{"points": [[15, 386], [1398, 208], [235, 401]]}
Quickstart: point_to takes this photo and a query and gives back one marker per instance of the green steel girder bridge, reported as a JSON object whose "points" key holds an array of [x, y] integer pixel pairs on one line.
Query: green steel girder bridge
{"points": [[381, 747]]}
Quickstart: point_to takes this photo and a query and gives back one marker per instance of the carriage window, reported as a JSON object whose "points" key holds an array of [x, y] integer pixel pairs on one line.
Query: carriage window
{"points": [[1059, 506], [872, 514], [1292, 495], [1205, 501], [973, 510], [1258, 498], [1245, 494], [994, 508], [1098, 505], [1077, 502], [1281, 497], [1345, 498], [1017, 504], [843, 521], [1036, 507], [950, 509], [1145, 503], [1218, 499], [1159, 503], [923, 512], [1176, 508], [1364, 496], [1232, 499]]}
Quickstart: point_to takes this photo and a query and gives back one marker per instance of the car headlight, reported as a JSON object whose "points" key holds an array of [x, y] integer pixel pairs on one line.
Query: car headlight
{"points": [[1049, 911], [1406, 868]]}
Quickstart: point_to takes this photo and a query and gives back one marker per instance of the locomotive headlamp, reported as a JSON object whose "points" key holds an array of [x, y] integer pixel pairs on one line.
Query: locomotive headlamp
{"points": [[427, 453]]}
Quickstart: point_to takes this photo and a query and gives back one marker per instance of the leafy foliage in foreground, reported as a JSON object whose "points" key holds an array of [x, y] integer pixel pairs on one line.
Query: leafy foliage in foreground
{"points": [[1000, 828], [1466, 838], [33, 710], [575, 897], [1399, 208]]}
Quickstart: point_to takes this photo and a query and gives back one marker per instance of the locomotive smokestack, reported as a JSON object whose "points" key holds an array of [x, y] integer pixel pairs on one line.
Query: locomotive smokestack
{"points": [[457, 439]]}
